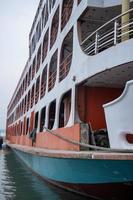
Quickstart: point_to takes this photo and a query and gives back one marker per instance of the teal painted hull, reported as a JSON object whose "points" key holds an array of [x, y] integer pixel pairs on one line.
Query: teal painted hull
{"points": [[81, 172]]}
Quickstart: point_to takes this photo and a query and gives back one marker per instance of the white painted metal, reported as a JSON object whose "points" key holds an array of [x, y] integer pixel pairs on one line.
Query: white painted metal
{"points": [[82, 67], [113, 36], [115, 32], [119, 118], [104, 3]]}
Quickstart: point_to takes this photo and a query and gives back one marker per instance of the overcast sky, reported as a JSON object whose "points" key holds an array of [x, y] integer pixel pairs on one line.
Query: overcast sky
{"points": [[16, 17]]}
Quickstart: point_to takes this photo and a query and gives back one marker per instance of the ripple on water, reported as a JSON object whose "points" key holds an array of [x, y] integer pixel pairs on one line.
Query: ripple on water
{"points": [[17, 182], [7, 186]]}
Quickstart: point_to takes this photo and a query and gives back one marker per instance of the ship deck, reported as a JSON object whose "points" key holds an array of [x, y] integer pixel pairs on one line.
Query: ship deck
{"points": [[73, 154]]}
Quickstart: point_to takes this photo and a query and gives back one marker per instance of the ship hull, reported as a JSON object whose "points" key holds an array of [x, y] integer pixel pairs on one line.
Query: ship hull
{"points": [[100, 179]]}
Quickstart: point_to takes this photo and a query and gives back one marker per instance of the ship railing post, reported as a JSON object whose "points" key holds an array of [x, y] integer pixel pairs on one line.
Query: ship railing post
{"points": [[96, 42], [115, 32]]}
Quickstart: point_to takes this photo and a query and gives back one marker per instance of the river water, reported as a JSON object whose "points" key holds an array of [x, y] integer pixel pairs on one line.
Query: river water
{"points": [[17, 182]]}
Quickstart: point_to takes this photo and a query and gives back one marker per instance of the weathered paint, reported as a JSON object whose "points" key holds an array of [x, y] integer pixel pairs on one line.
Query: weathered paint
{"points": [[99, 178], [87, 171], [22, 140], [82, 67], [125, 19], [49, 141], [103, 191], [95, 155]]}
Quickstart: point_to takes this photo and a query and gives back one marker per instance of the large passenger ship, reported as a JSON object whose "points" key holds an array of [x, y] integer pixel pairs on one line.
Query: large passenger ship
{"points": [[70, 118]]}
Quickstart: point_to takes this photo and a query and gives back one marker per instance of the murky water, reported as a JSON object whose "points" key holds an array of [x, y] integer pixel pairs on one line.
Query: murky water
{"points": [[17, 182]]}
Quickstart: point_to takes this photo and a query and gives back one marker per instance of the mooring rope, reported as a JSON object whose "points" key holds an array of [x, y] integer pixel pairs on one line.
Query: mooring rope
{"points": [[94, 147]]}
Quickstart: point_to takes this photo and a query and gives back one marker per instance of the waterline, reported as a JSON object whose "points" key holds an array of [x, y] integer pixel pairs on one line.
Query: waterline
{"points": [[17, 182]]}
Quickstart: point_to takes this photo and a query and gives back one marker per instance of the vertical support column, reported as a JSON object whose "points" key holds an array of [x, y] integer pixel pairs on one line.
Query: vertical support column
{"points": [[72, 118], [96, 43], [49, 9], [125, 19], [57, 111], [79, 32], [39, 117], [115, 32], [47, 116], [73, 104]]}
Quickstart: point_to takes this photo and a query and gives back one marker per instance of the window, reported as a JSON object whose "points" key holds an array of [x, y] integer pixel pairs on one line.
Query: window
{"points": [[45, 46], [32, 96], [26, 82], [65, 108], [23, 87], [33, 67], [43, 17], [29, 76], [52, 71], [38, 31], [28, 101], [54, 28], [33, 43], [37, 90], [66, 12], [52, 109], [66, 55], [36, 120], [38, 59], [79, 1], [25, 103], [43, 81], [22, 106], [21, 128], [42, 119], [27, 126], [51, 4]]}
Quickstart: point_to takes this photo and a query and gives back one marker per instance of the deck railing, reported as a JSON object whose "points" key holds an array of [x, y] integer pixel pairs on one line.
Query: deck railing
{"points": [[44, 52], [108, 35], [32, 100], [38, 62], [37, 96], [52, 79], [66, 13], [43, 89], [65, 66], [54, 32]]}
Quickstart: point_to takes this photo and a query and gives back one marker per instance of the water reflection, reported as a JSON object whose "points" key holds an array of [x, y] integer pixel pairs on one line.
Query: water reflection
{"points": [[7, 185], [18, 182]]}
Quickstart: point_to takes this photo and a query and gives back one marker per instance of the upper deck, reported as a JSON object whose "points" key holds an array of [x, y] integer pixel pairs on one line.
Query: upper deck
{"points": [[56, 58]]}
